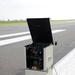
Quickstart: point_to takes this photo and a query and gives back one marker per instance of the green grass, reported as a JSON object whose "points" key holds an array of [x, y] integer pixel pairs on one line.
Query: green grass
{"points": [[12, 23], [16, 23], [63, 20]]}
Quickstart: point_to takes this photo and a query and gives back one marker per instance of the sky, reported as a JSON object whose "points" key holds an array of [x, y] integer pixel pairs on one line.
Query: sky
{"points": [[22, 9]]}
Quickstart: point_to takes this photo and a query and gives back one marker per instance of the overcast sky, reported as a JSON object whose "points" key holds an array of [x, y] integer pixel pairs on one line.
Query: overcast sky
{"points": [[22, 9]]}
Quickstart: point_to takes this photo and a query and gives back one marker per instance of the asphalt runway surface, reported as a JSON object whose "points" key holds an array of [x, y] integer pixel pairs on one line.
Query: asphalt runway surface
{"points": [[12, 55]]}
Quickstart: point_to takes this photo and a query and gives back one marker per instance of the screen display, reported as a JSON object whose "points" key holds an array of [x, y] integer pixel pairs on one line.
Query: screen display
{"points": [[40, 30]]}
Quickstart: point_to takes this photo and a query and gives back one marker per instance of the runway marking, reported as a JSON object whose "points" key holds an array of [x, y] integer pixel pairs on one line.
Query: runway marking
{"points": [[14, 34], [59, 30], [13, 40], [27, 32], [22, 38], [66, 66]]}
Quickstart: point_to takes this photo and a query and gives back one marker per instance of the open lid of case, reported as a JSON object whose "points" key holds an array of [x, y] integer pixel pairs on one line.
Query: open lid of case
{"points": [[40, 30]]}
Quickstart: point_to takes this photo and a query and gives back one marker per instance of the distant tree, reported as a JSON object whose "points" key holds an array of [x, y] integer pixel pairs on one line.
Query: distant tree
{"points": [[15, 20], [21, 19], [8, 19]]}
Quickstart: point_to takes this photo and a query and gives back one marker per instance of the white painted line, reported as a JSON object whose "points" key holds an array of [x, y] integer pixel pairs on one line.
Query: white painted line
{"points": [[18, 39], [66, 66], [27, 32], [59, 30], [13, 40], [14, 34]]}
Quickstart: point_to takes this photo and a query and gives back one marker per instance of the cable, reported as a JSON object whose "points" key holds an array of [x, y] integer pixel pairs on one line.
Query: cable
{"points": [[55, 70]]}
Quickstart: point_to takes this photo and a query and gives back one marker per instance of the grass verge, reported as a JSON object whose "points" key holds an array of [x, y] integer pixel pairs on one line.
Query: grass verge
{"points": [[17, 23], [72, 20], [12, 23]]}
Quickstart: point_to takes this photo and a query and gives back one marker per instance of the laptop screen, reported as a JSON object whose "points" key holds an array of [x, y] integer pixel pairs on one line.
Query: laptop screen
{"points": [[40, 30]]}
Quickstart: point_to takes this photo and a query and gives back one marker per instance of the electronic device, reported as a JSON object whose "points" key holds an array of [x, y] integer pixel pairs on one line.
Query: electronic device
{"points": [[39, 54]]}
